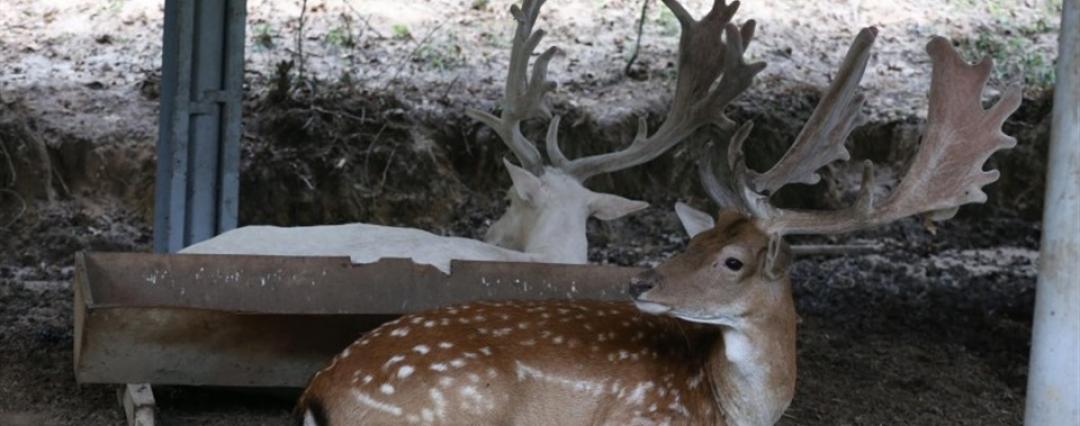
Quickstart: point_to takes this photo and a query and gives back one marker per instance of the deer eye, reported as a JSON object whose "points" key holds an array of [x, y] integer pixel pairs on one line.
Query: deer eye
{"points": [[733, 263]]}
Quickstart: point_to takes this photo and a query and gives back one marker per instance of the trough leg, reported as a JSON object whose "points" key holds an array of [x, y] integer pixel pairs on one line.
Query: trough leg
{"points": [[138, 402]]}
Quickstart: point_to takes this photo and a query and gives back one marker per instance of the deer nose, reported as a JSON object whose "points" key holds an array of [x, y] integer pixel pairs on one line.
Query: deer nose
{"points": [[643, 282]]}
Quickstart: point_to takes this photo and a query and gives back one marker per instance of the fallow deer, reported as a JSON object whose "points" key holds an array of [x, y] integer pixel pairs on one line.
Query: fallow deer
{"points": [[708, 336], [549, 204]]}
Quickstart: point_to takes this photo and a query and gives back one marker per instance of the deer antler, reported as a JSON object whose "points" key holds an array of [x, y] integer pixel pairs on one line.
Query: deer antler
{"points": [[946, 171], [524, 96], [821, 140], [703, 57], [721, 193]]}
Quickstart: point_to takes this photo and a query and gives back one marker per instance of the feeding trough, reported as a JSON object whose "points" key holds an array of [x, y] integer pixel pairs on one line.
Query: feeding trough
{"points": [[268, 321]]}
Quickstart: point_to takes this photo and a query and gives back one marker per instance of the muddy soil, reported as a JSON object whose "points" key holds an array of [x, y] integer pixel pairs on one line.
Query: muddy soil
{"points": [[932, 329]]}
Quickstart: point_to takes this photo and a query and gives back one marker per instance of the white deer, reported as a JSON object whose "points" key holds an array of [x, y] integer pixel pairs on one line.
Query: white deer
{"points": [[709, 336], [549, 204]]}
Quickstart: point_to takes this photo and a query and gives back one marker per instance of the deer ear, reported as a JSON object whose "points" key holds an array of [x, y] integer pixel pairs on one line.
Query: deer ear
{"points": [[526, 184], [608, 206], [694, 221]]}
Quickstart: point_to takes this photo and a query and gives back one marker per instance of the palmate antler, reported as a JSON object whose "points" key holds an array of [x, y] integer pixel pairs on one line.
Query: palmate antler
{"points": [[524, 97], [820, 142], [704, 56], [945, 173]]}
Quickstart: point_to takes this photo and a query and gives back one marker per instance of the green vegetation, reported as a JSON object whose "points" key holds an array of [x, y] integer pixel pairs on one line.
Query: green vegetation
{"points": [[668, 23], [262, 35], [1053, 6], [479, 4], [1016, 39], [340, 37], [400, 32], [1004, 11], [442, 55], [115, 6], [996, 9], [1016, 57]]}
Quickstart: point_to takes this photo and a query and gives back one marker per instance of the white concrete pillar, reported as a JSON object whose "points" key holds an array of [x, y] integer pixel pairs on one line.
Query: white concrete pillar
{"points": [[1053, 393]]}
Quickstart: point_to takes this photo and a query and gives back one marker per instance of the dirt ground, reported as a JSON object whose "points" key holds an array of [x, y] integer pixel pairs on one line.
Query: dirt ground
{"points": [[932, 329]]}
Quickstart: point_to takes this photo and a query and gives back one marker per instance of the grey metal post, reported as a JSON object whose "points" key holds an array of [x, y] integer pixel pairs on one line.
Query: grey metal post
{"points": [[1053, 393], [198, 146]]}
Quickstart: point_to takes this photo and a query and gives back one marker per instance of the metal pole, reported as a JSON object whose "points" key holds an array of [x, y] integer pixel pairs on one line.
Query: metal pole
{"points": [[1053, 393], [198, 142]]}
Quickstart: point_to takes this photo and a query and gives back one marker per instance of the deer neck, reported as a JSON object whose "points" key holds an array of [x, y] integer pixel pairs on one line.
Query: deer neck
{"points": [[556, 234], [559, 235], [752, 371]]}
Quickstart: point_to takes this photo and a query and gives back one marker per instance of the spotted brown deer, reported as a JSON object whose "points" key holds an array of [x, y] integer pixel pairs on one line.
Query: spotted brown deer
{"points": [[708, 336], [549, 204]]}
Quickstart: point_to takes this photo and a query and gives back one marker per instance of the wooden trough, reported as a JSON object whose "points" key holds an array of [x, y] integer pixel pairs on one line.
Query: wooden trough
{"points": [[268, 321]]}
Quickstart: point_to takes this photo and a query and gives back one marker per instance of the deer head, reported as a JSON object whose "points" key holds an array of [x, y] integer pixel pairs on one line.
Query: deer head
{"points": [[549, 204], [720, 277], [553, 205]]}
